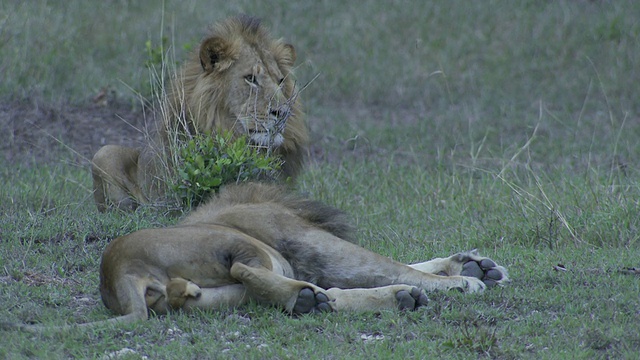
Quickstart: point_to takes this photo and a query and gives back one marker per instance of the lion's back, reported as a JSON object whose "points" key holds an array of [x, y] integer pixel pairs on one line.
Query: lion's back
{"points": [[316, 213]]}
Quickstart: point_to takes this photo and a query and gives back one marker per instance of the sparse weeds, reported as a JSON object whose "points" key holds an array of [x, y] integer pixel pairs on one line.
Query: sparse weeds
{"points": [[540, 174], [475, 338]]}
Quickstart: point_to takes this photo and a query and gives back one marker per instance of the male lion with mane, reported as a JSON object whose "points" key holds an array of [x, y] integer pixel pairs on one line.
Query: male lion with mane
{"points": [[259, 242], [240, 80]]}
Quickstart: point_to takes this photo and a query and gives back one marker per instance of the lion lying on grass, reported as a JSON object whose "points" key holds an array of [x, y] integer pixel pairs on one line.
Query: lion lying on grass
{"points": [[257, 242], [239, 81]]}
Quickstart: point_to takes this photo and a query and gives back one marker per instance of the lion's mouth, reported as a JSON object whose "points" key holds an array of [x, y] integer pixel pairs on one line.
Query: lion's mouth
{"points": [[267, 132], [265, 138]]}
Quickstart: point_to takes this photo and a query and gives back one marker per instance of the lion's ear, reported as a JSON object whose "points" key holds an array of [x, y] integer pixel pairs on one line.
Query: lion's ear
{"points": [[215, 54], [288, 55]]}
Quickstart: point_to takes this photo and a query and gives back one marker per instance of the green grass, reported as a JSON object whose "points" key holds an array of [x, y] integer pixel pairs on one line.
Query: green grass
{"points": [[511, 127]]}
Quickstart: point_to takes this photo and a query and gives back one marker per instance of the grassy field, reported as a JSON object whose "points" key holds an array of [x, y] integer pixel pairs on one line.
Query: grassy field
{"points": [[510, 127]]}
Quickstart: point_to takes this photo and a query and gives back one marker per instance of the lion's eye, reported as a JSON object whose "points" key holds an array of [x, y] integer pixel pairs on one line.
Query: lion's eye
{"points": [[281, 81], [251, 79]]}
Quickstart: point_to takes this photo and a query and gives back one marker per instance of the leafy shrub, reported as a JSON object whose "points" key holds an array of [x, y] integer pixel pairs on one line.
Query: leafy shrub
{"points": [[207, 162]]}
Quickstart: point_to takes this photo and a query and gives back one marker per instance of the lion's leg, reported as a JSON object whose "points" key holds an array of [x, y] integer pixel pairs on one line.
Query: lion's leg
{"points": [[230, 296], [468, 263], [268, 287], [115, 182], [404, 297], [133, 294], [338, 263], [223, 297], [298, 297], [264, 277]]}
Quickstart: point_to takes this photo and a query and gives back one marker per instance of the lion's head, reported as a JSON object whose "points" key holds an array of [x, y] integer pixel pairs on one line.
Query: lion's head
{"points": [[241, 80]]}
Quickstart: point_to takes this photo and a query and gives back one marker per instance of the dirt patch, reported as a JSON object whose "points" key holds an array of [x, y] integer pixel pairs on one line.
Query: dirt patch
{"points": [[31, 131]]}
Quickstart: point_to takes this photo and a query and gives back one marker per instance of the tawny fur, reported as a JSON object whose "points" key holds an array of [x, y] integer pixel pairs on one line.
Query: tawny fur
{"points": [[239, 80], [257, 242]]}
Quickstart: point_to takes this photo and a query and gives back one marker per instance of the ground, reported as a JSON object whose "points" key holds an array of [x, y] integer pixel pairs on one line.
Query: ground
{"points": [[30, 130], [37, 131]]}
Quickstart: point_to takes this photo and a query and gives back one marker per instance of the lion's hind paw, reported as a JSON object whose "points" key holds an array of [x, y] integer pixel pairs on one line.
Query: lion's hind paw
{"points": [[311, 302], [411, 300]]}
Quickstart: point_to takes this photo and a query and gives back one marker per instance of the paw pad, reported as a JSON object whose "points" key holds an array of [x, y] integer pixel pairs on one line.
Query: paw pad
{"points": [[310, 302], [411, 300], [485, 270]]}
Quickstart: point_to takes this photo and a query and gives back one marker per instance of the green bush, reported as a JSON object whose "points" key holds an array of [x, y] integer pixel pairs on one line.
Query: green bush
{"points": [[207, 162]]}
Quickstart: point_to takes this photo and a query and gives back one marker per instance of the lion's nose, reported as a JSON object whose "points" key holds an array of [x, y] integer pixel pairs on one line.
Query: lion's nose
{"points": [[280, 112]]}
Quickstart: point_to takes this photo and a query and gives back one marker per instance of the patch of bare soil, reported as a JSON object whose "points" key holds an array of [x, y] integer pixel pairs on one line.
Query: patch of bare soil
{"points": [[35, 132], [31, 131]]}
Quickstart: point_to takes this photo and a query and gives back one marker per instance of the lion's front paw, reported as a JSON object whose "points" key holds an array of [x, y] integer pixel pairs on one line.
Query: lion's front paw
{"points": [[411, 299], [309, 301], [482, 268]]}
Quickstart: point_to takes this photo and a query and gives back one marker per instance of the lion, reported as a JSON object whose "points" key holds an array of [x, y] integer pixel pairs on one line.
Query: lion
{"points": [[239, 81], [260, 242]]}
